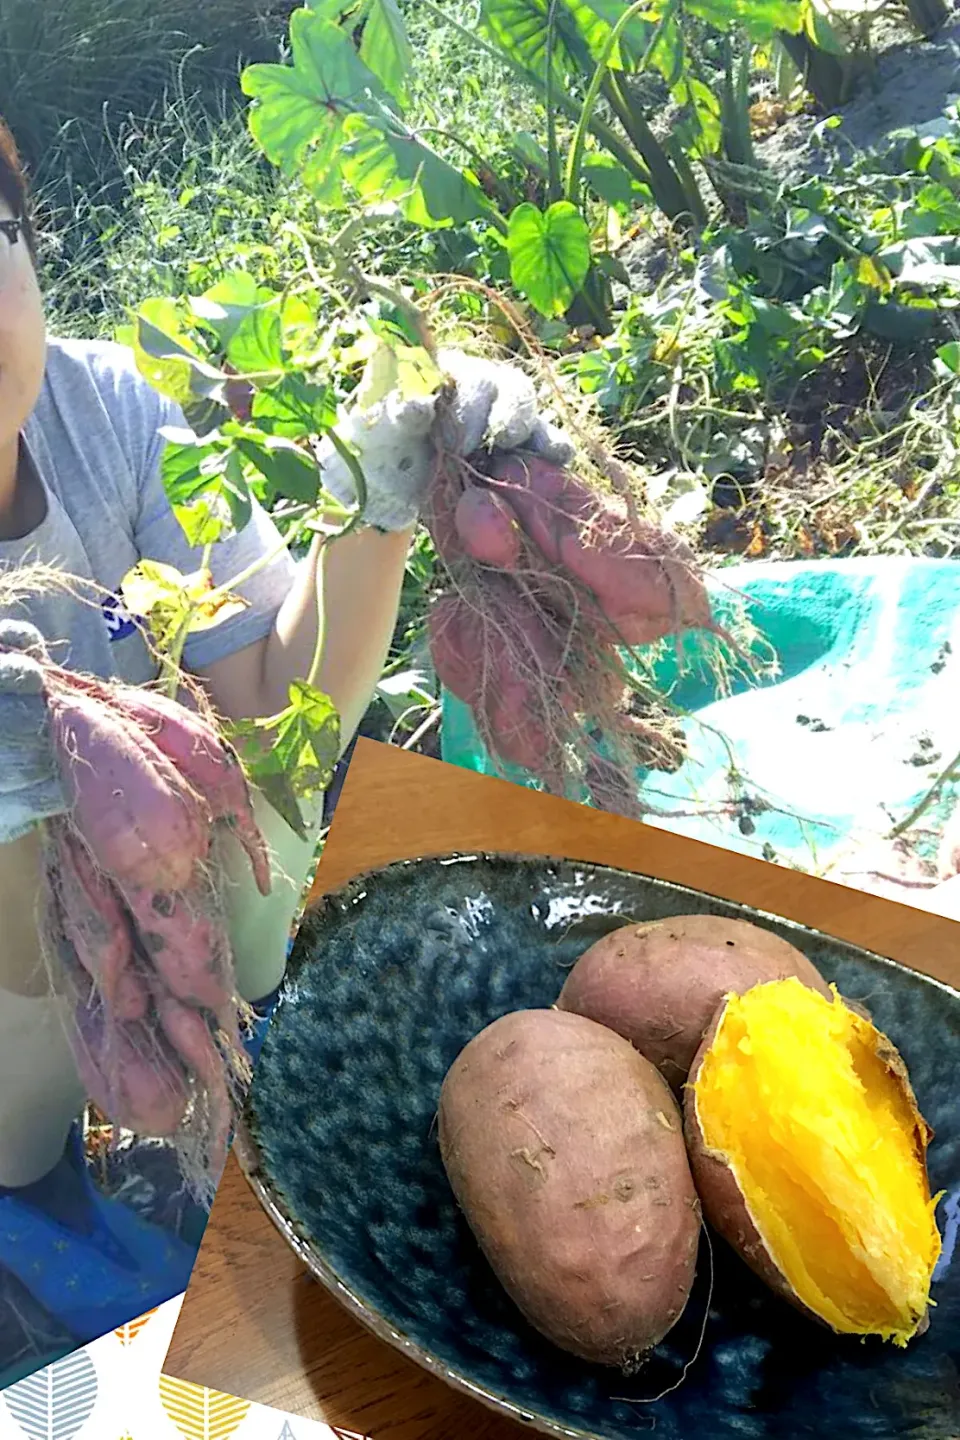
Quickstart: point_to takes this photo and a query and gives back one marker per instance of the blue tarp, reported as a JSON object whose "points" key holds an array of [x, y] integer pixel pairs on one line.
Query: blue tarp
{"points": [[863, 712]]}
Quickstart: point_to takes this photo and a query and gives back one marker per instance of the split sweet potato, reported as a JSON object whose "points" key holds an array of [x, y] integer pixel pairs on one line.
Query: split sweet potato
{"points": [[809, 1155]]}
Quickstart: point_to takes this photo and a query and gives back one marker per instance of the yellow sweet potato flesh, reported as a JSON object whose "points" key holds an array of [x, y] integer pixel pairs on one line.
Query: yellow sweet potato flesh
{"points": [[828, 1150]]}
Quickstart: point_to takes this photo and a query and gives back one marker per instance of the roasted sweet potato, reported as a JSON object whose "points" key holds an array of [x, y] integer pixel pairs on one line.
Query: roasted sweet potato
{"points": [[564, 1149], [809, 1155], [659, 984]]}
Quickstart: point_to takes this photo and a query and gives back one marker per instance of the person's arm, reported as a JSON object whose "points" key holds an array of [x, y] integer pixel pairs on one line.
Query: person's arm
{"points": [[362, 576], [247, 664]]}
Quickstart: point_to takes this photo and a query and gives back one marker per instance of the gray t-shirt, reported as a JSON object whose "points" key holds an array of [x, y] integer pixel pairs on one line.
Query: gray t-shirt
{"points": [[94, 443]]}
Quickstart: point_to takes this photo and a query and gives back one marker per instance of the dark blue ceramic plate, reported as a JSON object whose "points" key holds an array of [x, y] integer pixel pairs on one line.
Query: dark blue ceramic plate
{"points": [[388, 981]]}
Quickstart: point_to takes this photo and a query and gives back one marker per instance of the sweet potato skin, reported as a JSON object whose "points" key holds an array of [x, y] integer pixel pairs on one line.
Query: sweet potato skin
{"points": [[660, 984], [128, 1078], [205, 762], [92, 920], [564, 1149], [488, 529], [141, 821], [456, 639], [645, 581], [182, 943]]}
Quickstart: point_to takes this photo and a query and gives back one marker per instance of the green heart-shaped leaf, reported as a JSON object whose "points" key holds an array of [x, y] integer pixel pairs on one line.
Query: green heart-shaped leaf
{"points": [[549, 254]]}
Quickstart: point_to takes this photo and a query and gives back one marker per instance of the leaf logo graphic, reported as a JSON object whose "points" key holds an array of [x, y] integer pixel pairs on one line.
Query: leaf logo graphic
{"points": [[127, 1333], [56, 1402], [201, 1414], [131, 1331]]}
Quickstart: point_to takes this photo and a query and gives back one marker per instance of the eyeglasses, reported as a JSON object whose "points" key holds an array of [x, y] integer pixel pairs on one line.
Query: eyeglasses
{"points": [[10, 234]]}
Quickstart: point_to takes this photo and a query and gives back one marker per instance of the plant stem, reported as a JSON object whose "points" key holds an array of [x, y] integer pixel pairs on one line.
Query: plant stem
{"points": [[222, 591], [923, 805], [575, 161], [506, 196], [359, 481], [321, 621], [171, 662], [662, 177], [928, 15], [553, 149], [604, 133], [825, 76], [428, 724]]}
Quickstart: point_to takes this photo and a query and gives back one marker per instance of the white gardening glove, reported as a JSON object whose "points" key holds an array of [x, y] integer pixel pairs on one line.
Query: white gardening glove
{"points": [[30, 788], [494, 407]]}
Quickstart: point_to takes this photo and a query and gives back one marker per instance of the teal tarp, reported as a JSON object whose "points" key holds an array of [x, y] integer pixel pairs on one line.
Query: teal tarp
{"points": [[863, 714]]}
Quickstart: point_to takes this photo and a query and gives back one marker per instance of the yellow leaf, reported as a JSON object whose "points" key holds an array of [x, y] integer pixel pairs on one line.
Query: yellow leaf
{"points": [[417, 375], [379, 378], [150, 584], [360, 351], [870, 272], [757, 545], [666, 347], [614, 229], [130, 1331], [201, 1414], [216, 611], [407, 369]]}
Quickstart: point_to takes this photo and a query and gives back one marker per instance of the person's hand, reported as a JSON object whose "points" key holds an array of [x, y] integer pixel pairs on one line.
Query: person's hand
{"points": [[493, 407], [30, 788]]}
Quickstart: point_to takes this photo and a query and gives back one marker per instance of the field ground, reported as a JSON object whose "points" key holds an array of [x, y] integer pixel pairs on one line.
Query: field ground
{"points": [[764, 413]]}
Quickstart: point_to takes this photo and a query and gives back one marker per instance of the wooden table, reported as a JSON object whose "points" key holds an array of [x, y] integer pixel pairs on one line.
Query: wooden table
{"points": [[254, 1323]]}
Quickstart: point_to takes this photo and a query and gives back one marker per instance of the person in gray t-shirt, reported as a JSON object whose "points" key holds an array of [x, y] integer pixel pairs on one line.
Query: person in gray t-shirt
{"points": [[81, 489]]}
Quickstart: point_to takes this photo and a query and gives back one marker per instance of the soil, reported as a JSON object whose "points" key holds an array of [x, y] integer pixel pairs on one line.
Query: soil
{"points": [[911, 88]]}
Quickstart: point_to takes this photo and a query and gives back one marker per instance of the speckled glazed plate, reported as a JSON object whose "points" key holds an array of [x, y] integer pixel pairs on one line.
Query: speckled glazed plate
{"points": [[388, 981]]}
